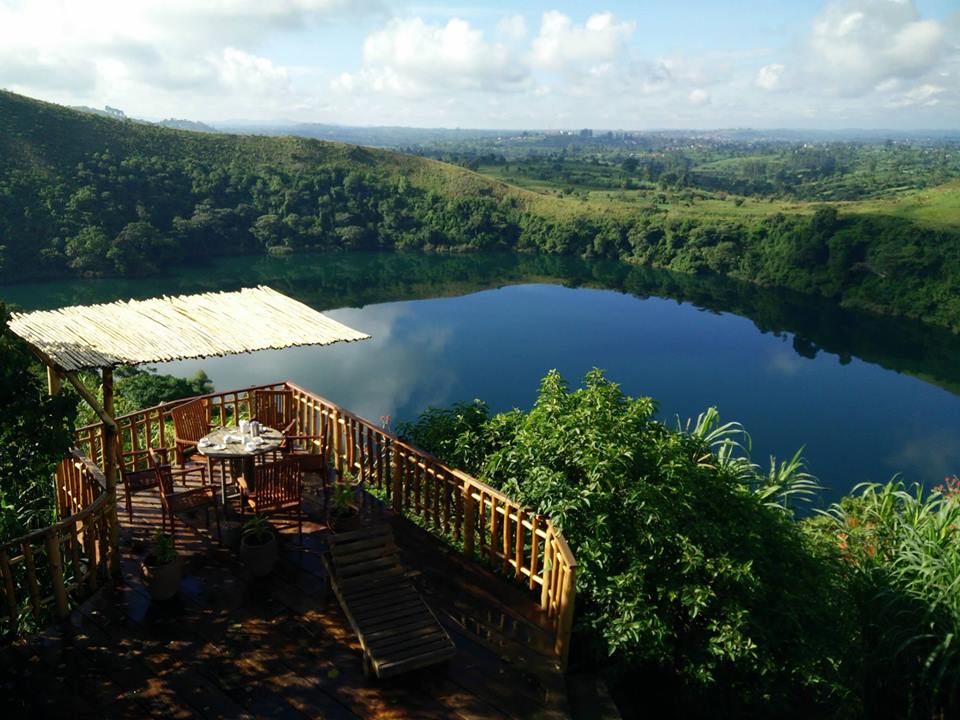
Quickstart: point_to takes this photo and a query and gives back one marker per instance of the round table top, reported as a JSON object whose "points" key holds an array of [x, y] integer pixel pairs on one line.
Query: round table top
{"points": [[219, 448]]}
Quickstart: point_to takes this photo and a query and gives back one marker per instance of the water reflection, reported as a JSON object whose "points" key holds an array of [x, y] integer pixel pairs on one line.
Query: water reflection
{"points": [[866, 396]]}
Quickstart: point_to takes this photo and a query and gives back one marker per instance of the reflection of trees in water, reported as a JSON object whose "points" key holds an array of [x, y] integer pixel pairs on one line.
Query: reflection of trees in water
{"points": [[341, 279]]}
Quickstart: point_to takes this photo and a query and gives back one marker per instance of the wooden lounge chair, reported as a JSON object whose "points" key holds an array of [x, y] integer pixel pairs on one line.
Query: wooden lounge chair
{"points": [[396, 628], [186, 501], [276, 486]]}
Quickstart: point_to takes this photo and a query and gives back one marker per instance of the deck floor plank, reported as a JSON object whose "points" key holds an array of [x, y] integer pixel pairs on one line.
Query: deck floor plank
{"points": [[231, 647]]}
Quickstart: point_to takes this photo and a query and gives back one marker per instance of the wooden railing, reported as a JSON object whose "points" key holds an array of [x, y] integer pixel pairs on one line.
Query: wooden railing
{"points": [[44, 571], [479, 520]]}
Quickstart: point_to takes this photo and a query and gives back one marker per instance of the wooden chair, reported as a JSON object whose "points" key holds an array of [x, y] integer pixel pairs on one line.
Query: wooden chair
{"points": [[135, 481], [190, 424], [186, 501], [275, 409], [276, 486], [398, 631]]}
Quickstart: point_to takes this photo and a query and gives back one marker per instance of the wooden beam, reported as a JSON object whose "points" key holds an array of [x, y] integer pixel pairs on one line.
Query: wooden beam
{"points": [[53, 381], [91, 399]]}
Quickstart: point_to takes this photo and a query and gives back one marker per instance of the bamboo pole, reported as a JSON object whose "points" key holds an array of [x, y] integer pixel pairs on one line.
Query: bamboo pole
{"points": [[53, 381], [110, 460], [56, 573]]}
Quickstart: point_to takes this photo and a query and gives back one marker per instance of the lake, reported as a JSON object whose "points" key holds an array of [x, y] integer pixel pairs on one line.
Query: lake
{"points": [[867, 397]]}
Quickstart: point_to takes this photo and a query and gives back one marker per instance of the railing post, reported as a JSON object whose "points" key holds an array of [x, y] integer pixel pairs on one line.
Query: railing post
{"points": [[469, 519], [568, 601], [56, 573], [549, 561], [397, 481]]}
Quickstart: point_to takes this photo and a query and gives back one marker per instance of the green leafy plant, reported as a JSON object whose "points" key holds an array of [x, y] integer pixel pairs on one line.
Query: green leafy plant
{"points": [[901, 551], [341, 502], [690, 586], [162, 549], [258, 529]]}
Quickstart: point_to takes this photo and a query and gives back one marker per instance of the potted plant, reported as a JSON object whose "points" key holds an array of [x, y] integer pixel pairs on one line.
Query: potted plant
{"points": [[161, 568], [344, 515], [258, 546]]}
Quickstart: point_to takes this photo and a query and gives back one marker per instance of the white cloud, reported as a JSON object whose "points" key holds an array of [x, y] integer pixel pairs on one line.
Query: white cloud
{"points": [[925, 95], [856, 44], [410, 57], [238, 70], [153, 57], [564, 46], [512, 28], [768, 77], [854, 62]]}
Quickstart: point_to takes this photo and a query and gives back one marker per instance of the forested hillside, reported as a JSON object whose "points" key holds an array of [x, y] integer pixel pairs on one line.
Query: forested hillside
{"points": [[85, 194]]}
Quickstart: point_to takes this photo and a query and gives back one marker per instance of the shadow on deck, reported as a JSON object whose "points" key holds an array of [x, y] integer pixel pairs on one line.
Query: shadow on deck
{"points": [[229, 646]]}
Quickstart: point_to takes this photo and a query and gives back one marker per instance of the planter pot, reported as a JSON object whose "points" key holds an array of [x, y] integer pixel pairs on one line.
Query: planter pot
{"points": [[259, 557], [345, 523], [161, 581], [232, 533]]}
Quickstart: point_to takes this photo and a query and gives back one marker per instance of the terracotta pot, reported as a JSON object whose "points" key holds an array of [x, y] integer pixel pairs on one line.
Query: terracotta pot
{"points": [[259, 557], [161, 581]]}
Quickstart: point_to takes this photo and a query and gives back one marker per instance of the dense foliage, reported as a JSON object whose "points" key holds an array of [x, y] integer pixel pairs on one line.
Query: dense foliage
{"points": [[798, 168], [699, 593], [901, 552], [93, 195], [136, 388], [36, 430], [692, 577]]}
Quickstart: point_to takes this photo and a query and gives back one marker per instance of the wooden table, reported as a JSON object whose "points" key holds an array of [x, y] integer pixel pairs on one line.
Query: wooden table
{"points": [[220, 450]]}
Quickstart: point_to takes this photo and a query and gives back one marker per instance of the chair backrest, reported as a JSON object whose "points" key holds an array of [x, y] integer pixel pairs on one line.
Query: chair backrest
{"points": [[190, 421], [132, 478], [277, 483], [274, 408], [164, 477]]}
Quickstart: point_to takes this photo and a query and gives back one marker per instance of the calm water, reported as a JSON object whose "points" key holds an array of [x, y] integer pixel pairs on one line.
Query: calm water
{"points": [[867, 397]]}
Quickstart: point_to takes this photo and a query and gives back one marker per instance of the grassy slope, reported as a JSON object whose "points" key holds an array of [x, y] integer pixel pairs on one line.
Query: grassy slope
{"points": [[934, 208], [47, 136]]}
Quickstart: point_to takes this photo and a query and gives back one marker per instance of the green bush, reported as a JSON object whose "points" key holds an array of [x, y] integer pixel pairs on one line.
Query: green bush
{"points": [[691, 584]]}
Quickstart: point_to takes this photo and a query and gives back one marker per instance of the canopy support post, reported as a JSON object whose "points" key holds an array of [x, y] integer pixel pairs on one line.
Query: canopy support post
{"points": [[110, 459], [53, 381], [108, 439]]}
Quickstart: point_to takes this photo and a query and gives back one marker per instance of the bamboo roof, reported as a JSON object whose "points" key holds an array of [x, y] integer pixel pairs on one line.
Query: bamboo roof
{"points": [[176, 328]]}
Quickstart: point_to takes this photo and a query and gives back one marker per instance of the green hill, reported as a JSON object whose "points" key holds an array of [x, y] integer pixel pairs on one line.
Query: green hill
{"points": [[86, 194]]}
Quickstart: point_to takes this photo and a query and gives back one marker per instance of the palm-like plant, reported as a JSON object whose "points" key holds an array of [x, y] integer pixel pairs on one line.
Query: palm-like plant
{"points": [[728, 447]]}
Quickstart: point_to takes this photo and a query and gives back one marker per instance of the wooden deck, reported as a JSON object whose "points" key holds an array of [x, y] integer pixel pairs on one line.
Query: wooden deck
{"points": [[231, 647]]}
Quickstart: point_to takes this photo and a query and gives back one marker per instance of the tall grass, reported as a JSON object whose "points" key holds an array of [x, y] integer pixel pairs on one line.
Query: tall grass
{"points": [[902, 547]]}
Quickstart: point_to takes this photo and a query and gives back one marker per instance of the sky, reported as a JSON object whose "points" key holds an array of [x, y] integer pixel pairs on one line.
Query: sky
{"points": [[645, 64]]}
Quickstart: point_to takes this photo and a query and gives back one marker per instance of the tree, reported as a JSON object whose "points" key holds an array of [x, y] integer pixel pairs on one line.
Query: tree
{"points": [[36, 433], [268, 230], [88, 250], [139, 249]]}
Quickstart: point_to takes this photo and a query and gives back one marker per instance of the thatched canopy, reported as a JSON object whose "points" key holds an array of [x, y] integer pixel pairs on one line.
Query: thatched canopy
{"points": [[175, 328]]}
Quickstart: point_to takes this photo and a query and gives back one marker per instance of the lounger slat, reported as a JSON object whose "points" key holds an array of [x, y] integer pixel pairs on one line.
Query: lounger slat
{"points": [[396, 628]]}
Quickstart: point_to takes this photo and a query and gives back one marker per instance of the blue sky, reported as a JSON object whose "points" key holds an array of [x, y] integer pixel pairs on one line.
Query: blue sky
{"points": [[635, 65]]}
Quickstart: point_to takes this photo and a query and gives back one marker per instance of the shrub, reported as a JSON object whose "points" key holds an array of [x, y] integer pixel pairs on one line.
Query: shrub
{"points": [[688, 580]]}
